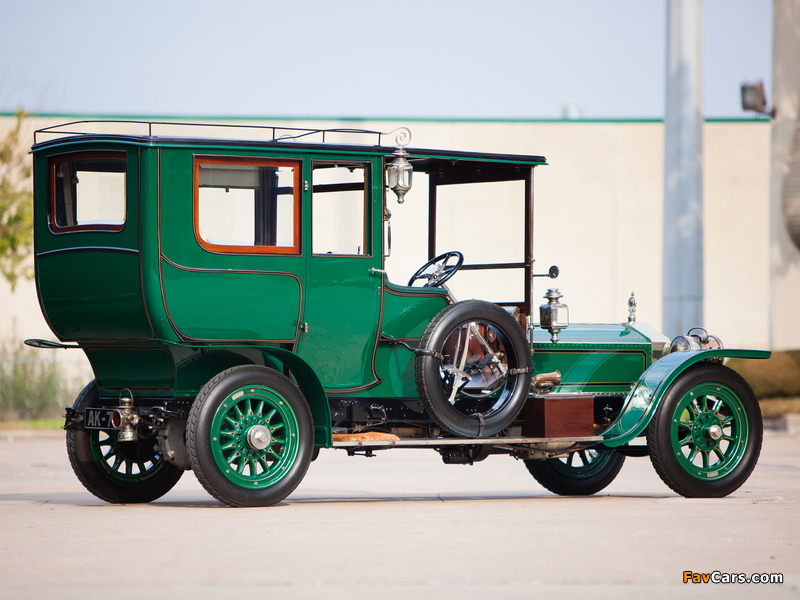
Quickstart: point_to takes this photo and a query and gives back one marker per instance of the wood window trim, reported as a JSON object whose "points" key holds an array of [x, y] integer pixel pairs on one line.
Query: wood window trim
{"points": [[254, 162], [53, 161]]}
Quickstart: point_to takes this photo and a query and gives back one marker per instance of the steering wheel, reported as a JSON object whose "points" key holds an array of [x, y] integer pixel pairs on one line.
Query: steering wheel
{"points": [[437, 270]]}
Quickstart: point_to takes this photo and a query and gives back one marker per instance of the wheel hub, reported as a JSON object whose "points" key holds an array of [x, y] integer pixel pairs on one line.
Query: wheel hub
{"points": [[706, 431], [714, 432], [258, 437]]}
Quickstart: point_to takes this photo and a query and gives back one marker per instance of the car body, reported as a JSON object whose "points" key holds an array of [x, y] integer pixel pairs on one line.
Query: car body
{"points": [[232, 297]]}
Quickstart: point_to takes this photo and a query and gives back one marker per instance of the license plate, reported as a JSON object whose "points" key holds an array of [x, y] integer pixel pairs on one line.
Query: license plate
{"points": [[98, 418]]}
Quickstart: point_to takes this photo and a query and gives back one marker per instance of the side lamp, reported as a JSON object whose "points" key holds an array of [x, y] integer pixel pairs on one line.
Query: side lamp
{"points": [[399, 172]]}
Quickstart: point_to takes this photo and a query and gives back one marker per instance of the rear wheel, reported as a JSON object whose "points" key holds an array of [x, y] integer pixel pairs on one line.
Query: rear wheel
{"points": [[117, 472], [580, 473], [250, 436], [705, 438]]}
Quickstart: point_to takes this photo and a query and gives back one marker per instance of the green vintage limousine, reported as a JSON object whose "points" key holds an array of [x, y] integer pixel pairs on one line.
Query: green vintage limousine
{"points": [[228, 285]]}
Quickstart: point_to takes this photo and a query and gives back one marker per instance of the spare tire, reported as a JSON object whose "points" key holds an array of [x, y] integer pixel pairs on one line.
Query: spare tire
{"points": [[475, 373]]}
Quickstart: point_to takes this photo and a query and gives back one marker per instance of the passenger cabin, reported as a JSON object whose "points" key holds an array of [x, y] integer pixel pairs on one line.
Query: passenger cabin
{"points": [[167, 257]]}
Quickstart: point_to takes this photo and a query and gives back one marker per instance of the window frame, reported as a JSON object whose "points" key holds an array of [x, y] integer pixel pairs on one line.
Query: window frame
{"points": [[55, 160], [253, 161], [367, 220]]}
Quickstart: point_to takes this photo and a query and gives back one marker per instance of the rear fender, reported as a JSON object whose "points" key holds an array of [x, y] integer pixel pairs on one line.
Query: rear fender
{"points": [[312, 389], [645, 396]]}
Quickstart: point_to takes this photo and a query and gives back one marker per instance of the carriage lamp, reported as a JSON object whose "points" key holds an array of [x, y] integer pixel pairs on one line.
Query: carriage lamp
{"points": [[398, 174], [124, 418], [553, 316], [399, 171]]}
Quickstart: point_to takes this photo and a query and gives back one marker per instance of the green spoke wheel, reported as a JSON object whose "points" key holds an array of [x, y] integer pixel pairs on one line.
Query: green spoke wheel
{"points": [[706, 435], [580, 473], [117, 472], [250, 436]]}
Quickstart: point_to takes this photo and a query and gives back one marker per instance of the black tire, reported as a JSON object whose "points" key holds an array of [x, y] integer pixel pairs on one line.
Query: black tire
{"points": [[117, 472], [489, 402], [706, 435], [564, 476], [250, 436]]}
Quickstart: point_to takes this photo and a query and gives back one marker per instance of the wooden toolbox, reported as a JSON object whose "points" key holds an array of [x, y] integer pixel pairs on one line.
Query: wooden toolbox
{"points": [[559, 415]]}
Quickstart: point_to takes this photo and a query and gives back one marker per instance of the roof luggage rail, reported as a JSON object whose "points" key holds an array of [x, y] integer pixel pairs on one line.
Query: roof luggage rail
{"points": [[154, 129]]}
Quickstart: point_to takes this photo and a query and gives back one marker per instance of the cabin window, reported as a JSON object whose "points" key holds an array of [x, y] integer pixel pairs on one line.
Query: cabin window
{"points": [[247, 205], [339, 212], [87, 191]]}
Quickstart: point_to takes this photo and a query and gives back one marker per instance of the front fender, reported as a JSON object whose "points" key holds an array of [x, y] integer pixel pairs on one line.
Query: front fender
{"points": [[645, 396]]}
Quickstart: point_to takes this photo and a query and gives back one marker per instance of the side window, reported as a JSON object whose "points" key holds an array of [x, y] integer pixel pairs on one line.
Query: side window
{"points": [[339, 211], [247, 205], [87, 191]]}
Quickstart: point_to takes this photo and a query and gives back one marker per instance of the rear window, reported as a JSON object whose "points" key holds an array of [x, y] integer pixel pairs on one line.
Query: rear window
{"points": [[87, 191], [247, 205]]}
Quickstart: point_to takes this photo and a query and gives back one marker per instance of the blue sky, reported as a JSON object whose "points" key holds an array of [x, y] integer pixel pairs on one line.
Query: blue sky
{"points": [[519, 59]]}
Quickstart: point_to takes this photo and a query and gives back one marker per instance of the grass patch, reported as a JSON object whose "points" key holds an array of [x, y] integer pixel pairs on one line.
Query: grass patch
{"points": [[32, 384]]}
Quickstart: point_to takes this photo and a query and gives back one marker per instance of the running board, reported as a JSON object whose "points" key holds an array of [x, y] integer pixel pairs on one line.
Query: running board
{"points": [[436, 442]]}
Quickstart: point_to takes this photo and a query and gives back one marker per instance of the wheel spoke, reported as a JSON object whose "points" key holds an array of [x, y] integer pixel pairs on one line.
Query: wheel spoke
{"points": [[117, 460], [692, 410]]}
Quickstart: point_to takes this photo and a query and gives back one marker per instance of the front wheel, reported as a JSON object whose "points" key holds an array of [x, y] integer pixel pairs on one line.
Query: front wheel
{"points": [[250, 436], [706, 436], [580, 473], [117, 472]]}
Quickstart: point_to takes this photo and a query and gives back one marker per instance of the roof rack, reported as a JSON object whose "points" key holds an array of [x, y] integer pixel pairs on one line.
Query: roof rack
{"points": [[264, 133]]}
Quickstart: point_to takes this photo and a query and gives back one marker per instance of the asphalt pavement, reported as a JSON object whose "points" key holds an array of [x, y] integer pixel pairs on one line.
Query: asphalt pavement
{"points": [[399, 525]]}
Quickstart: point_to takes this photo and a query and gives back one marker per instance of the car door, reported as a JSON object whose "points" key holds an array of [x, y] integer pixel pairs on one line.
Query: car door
{"points": [[342, 293]]}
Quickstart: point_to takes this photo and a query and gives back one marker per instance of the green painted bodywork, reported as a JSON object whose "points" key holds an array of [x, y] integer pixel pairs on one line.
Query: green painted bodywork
{"points": [[159, 314], [643, 400], [597, 359]]}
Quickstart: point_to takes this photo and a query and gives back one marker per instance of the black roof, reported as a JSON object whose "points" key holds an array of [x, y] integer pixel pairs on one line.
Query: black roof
{"points": [[292, 139]]}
